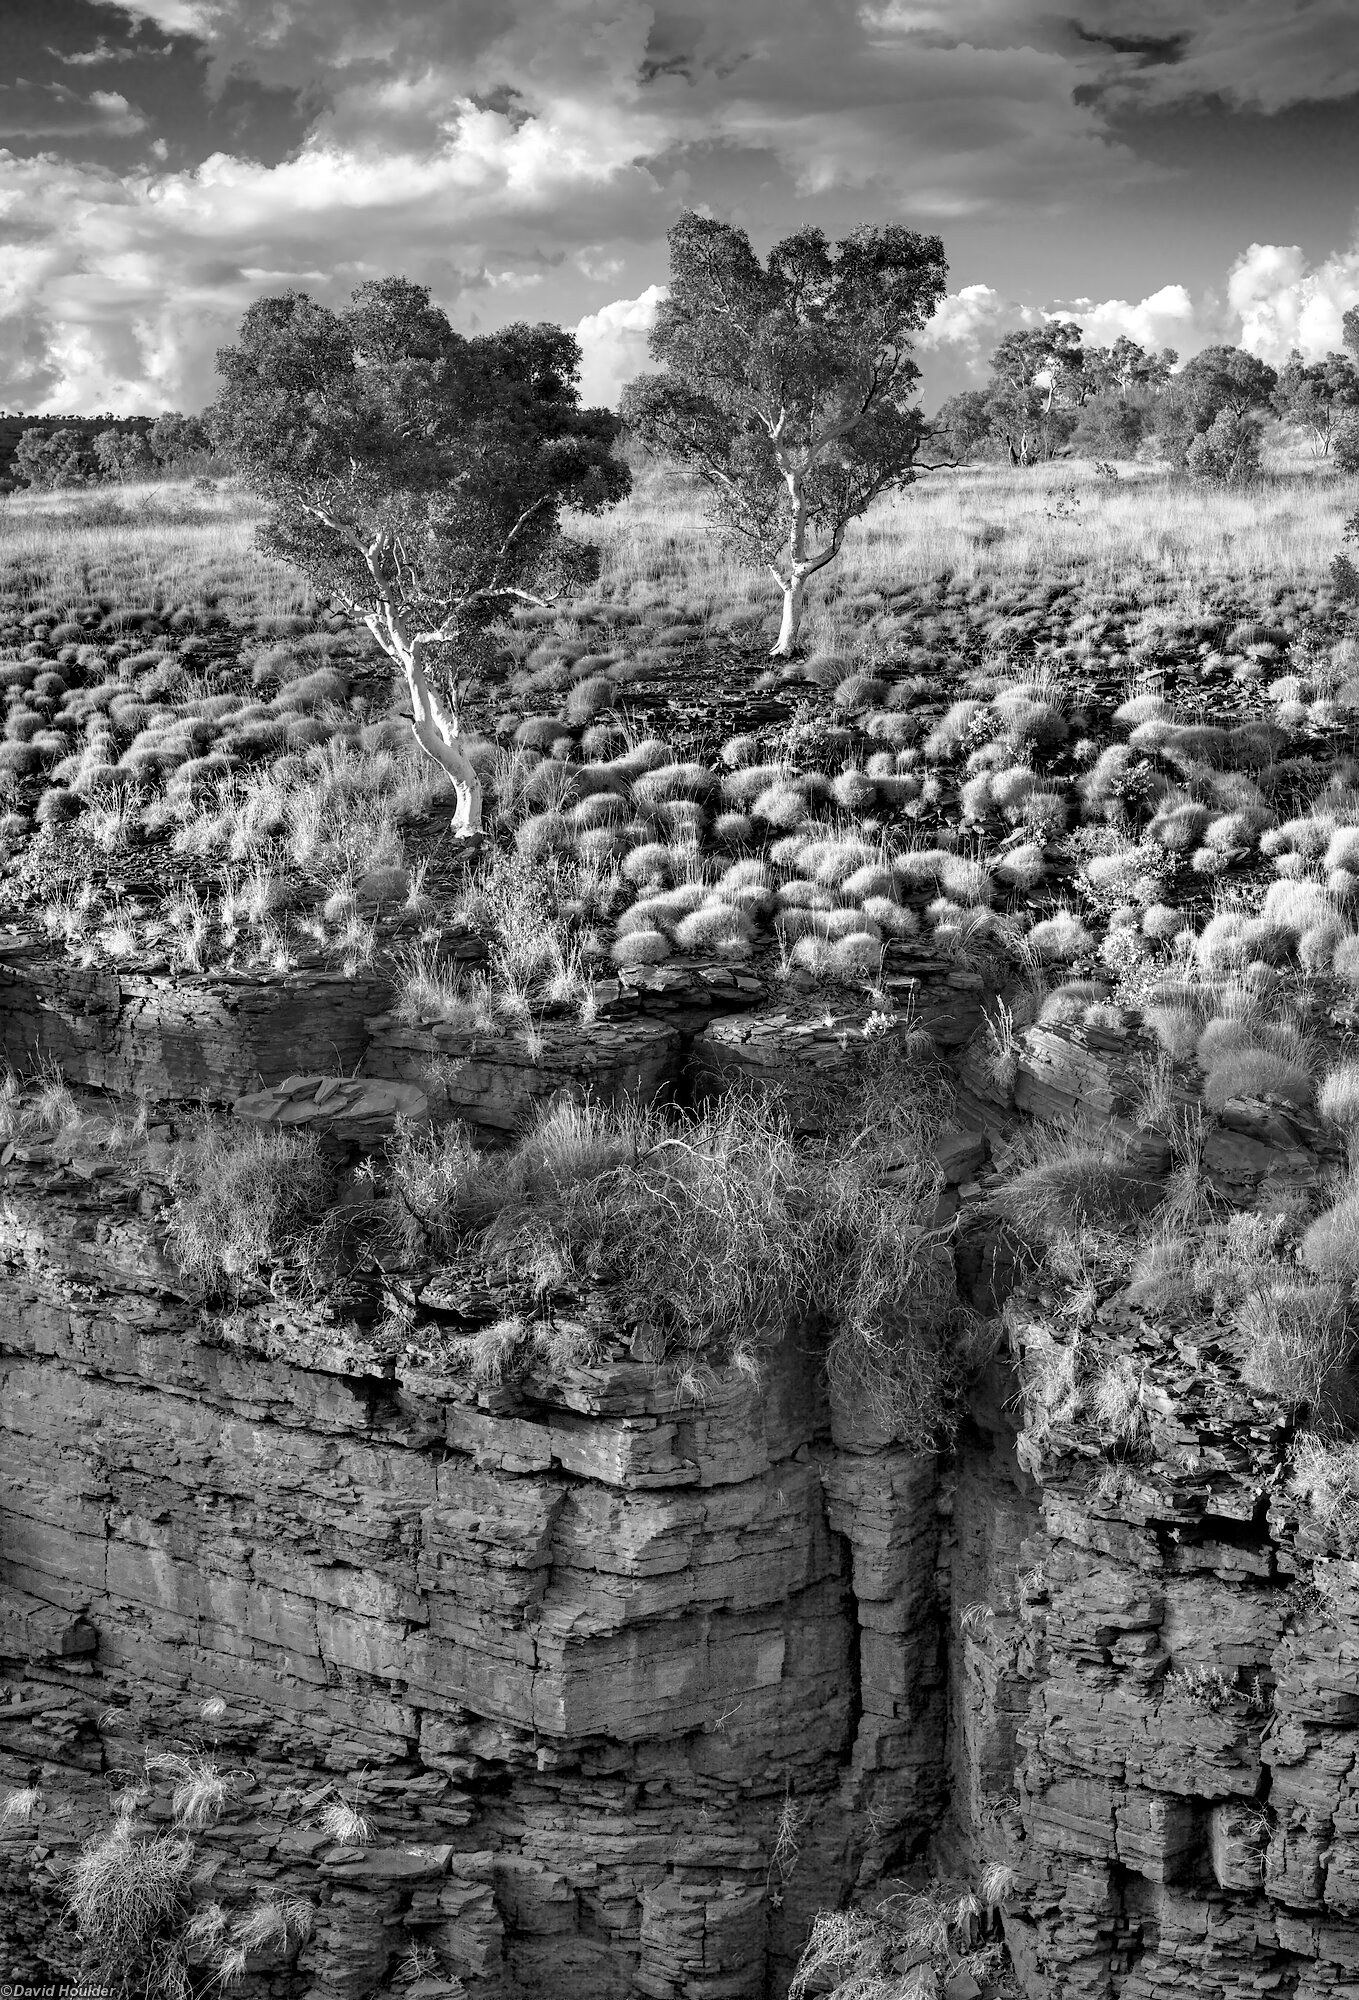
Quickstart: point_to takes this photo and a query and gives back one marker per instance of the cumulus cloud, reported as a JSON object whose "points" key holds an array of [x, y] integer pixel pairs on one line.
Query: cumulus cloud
{"points": [[1273, 301], [1282, 303], [968, 323], [526, 149], [613, 345]]}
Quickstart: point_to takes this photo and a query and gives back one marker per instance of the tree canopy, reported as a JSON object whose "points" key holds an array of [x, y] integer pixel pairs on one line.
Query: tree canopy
{"points": [[415, 474], [788, 384]]}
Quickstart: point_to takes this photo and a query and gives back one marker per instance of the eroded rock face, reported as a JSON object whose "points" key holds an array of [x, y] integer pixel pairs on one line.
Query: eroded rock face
{"points": [[582, 1639], [168, 1038], [574, 1645], [1157, 1715], [495, 1082]]}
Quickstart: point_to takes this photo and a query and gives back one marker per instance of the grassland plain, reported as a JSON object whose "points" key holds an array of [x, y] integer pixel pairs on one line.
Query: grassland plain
{"points": [[1083, 741]]}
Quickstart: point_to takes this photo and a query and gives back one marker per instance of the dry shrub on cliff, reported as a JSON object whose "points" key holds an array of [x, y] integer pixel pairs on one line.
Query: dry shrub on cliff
{"points": [[1325, 1477], [345, 1824], [247, 1199], [858, 1954], [127, 1897], [1299, 1343], [723, 1227], [200, 1789], [36, 1107]]}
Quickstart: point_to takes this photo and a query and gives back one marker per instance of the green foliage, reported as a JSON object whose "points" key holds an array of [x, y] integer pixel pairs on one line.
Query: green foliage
{"points": [[1227, 451], [1215, 382], [789, 378], [417, 474]]}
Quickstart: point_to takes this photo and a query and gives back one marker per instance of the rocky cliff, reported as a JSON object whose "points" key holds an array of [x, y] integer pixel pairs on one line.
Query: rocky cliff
{"points": [[626, 1681]]}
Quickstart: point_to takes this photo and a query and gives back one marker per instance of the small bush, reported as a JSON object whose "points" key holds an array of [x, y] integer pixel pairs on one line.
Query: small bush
{"points": [[1061, 938], [1073, 1183], [249, 1198]]}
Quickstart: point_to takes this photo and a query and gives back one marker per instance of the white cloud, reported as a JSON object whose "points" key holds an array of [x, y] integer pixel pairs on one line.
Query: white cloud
{"points": [[1274, 302], [613, 345], [968, 323], [1282, 304], [1170, 317]]}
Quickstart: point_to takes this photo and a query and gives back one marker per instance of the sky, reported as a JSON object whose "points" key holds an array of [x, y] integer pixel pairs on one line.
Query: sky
{"points": [[1184, 171]]}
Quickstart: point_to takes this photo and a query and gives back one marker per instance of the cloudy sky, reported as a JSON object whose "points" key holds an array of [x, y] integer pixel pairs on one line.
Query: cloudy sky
{"points": [[1183, 170]]}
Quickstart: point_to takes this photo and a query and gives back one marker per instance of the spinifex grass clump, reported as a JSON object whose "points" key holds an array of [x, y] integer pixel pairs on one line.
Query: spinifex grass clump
{"points": [[723, 1230]]}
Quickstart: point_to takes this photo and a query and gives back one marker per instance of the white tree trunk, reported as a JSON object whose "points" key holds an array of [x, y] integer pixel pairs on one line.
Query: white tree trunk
{"points": [[794, 585], [435, 727], [436, 731], [794, 596]]}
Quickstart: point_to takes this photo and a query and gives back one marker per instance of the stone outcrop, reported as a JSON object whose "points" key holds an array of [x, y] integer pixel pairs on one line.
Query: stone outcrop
{"points": [[572, 1647], [167, 1037], [494, 1082]]}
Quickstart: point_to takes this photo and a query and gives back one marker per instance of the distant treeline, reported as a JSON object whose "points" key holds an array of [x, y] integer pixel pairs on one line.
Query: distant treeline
{"points": [[90, 451], [1050, 396]]}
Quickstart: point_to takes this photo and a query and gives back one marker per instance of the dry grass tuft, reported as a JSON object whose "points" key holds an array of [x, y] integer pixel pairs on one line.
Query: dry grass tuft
{"points": [[248, 1198], [1298, 1343], [1071, 1182], [1325, 1477], [127, 1897], [345, 1824], [200, 1789]]}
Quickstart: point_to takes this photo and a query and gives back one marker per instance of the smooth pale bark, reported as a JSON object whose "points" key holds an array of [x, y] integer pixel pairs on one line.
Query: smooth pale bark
{"points": [[794, 597], [435, 727]]}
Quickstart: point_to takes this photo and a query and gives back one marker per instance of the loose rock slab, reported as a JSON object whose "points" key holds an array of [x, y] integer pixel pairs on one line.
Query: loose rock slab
{"points": [[356, 1109]]}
